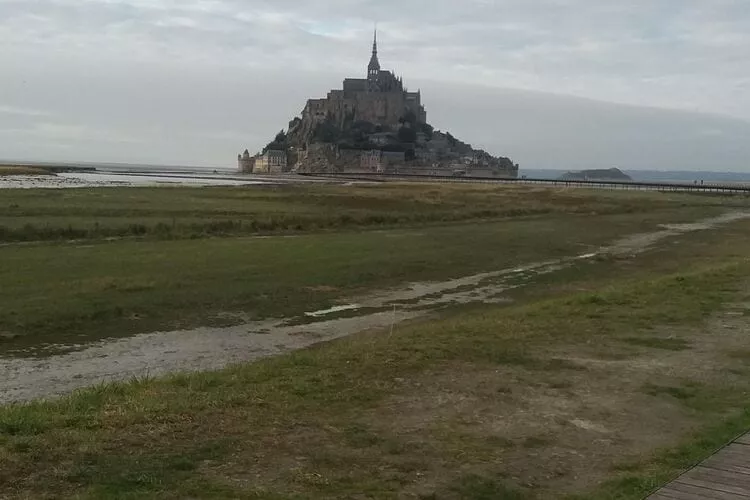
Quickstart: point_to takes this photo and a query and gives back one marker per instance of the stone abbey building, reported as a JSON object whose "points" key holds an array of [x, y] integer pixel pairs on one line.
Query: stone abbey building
{"points": [[380, 98], [372, 124]]}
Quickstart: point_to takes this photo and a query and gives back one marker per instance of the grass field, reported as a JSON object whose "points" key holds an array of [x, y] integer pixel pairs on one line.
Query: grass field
{"points": [[600, 381], [95, 287], [168, 213]]}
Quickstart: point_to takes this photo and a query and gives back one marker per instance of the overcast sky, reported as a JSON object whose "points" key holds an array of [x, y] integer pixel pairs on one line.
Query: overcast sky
{"points": [[550, 83]]}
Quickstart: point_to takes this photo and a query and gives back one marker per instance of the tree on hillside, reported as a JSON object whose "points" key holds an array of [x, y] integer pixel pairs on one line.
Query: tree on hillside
{"points": [[394, 148], [427, 129], [279, 142], [364, 126], [407, 134]]}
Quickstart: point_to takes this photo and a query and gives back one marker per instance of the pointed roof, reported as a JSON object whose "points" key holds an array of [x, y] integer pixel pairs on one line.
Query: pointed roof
{"points": [[374, 63]]}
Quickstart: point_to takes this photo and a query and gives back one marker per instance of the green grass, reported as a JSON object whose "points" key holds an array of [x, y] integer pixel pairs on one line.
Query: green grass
{"points": [[482, 488], [478, 403], [669, 344], [184, 283], [638, 479], [306, 425], [684, 393], [125, 287], [169, 213]]}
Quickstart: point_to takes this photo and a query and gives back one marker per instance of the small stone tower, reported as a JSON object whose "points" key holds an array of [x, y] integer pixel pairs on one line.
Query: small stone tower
{"points": [[373, 69], [245, 163]]}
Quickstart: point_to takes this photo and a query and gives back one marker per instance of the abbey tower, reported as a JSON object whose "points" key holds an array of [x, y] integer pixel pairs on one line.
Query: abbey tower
{"points": [[380, 98]]}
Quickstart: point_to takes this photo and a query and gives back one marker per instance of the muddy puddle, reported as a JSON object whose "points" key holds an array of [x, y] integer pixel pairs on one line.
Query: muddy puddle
{"points": [[27, 378]]}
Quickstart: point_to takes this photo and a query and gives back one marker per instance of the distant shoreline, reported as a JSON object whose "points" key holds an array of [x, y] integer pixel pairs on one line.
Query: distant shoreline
{"points": [[9, 170], [33, 169]]}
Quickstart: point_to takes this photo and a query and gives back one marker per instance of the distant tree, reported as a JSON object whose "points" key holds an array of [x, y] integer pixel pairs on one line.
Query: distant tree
{"points": [[357, 136], [451, 140], [380, 128], [279, 142], [407, 134], [410, 154], [364, 127], [427, 129], [409, 117]]}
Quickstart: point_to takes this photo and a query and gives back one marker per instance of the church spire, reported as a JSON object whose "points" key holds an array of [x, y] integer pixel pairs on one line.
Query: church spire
{"points": [[373, 69], [374, 63]]}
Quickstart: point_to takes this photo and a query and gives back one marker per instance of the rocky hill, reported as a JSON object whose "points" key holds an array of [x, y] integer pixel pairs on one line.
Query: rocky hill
{"points": [[373, 124], [327, 146], [611, 174]]}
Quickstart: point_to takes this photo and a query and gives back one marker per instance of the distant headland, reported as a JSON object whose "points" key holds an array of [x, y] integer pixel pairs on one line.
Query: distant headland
{"points": [[7, 169], [610, 174], [372, 124]]}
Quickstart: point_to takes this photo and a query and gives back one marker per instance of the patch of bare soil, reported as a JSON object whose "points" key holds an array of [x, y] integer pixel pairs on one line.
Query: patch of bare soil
{"points": [[563, 430], [638, 243]]}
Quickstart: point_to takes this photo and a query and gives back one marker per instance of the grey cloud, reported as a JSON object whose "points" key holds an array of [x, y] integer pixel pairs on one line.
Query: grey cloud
{"points": [[164, 73]]}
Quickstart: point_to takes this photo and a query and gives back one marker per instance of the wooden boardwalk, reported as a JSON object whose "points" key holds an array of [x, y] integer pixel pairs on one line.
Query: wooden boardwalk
{"points": [[724, 476]]}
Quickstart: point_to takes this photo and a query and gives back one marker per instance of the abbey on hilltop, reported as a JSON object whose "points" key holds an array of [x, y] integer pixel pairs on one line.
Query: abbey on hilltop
{"points": [[373, 124]]}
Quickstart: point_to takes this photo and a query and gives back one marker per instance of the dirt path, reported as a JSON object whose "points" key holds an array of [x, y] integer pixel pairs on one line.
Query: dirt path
{"points": [[25, 379]]}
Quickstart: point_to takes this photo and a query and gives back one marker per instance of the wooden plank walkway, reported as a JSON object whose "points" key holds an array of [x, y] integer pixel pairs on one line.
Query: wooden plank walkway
{"points": [[724, 476]]}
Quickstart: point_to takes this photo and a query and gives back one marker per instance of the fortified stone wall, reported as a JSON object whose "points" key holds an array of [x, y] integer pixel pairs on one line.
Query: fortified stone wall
{"points": [[384, 108], [328, 158]]}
